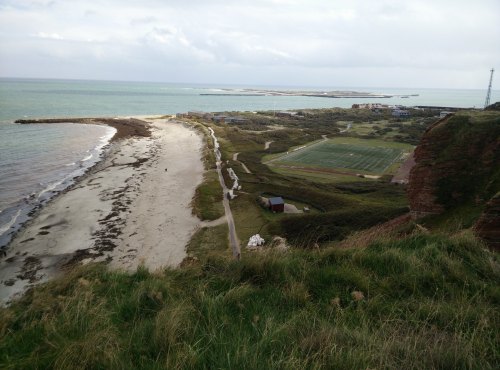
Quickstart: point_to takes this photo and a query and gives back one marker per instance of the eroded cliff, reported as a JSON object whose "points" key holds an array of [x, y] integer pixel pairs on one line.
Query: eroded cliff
{"points": [[457, 163]]}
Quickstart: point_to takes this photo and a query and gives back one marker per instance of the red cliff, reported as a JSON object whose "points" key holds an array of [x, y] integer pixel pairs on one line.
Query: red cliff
{"points": [[457, 162]]}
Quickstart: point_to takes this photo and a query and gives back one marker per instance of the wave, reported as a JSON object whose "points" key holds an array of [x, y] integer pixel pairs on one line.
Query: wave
{"points": [[50, 188], [87, 158], [105, 139], [56, 174], [9, 224]]}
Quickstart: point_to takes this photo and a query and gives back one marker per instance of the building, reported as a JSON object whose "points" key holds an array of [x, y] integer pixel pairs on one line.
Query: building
{"points": [[199, 114], [219, 118], [400, 113], [372, 106], [277, 204], [229, 119], [286, 114], [236, 120]]}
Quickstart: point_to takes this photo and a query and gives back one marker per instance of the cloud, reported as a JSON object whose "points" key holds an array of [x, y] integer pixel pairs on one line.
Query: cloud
{"points": [[45, 35], [144, 20], [264, 41]]}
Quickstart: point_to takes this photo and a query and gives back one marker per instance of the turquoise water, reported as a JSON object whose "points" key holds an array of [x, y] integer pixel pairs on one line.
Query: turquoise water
{"points": [[63, 98], [37, 161]]}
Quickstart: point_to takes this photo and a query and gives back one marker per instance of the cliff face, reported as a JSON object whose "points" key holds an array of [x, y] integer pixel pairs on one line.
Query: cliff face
{"points": [[488, 225], [457, 161], [424, 174]]}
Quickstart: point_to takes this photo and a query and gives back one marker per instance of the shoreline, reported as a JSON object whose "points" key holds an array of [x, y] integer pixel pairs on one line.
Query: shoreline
{"points": [[131, 208], [27, 207], [126, 127]]}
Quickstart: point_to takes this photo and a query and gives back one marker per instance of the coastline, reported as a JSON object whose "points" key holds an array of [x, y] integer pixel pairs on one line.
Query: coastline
{"points": [[29, 207], [126, 127], [131, 208]]}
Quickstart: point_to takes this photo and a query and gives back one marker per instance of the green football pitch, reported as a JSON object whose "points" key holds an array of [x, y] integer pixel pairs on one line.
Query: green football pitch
{"points": [[354, 156]]}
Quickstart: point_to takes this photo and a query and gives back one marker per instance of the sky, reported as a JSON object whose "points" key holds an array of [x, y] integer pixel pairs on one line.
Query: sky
{"points": [[330, 43]]}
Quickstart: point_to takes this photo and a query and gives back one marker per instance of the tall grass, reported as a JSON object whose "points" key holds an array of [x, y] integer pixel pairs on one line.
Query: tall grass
{"points": [[207, 201], [425, 301]]}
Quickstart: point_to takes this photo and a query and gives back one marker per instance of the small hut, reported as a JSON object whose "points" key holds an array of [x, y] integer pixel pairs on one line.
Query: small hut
{"points": [[276, 204]]}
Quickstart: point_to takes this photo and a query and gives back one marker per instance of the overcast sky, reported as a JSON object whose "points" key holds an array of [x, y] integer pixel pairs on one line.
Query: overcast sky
{"points": [[355, 43]]}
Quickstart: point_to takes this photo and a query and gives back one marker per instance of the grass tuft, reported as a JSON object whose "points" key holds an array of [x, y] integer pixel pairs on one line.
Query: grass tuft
{"points": [[420, 301]]}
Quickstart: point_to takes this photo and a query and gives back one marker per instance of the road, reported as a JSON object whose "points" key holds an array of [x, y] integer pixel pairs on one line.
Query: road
{"points": [[233, 237]]}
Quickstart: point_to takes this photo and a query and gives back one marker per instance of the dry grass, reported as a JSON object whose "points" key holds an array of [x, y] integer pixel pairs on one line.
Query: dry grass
{"points": [[423, 301]]}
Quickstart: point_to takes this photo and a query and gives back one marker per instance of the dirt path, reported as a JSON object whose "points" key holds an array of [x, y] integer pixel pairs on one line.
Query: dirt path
{"points": [[349, 125], [245, 167], [233, 237], [403, 173], [266, 145], [235, 158]]}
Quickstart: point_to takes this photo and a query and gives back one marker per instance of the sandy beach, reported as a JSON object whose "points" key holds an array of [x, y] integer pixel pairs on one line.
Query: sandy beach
{"points": [[132, 208]]}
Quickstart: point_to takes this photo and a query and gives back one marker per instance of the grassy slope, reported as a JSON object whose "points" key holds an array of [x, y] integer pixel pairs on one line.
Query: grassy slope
{"points": [[477, 134], [207, 201], [384, 200], [428, 302]]}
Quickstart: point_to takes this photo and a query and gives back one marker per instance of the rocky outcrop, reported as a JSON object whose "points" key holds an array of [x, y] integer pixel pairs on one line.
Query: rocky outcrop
{"points": [[488, 226], [457, 161], [424, 174]]}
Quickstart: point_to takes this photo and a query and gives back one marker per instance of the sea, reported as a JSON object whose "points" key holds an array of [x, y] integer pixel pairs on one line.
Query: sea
{"points": [[39, 161]]}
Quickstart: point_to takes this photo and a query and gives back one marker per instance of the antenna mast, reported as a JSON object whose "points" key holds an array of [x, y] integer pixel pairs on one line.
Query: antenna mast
{"points": [[487, 102]]}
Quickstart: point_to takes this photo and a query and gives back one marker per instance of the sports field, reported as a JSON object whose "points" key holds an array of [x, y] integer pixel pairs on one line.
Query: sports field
{"points": [[372, 156]]}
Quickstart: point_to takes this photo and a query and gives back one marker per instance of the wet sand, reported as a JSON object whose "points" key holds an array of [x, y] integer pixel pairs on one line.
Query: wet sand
{"points": [[132, 208]]}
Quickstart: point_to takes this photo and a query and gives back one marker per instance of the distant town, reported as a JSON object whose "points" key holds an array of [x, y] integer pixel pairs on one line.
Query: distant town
{"points": [[398, 111]]}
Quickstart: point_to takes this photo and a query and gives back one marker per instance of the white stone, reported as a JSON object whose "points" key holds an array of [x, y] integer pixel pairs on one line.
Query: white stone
{"points": [[255, 241]]}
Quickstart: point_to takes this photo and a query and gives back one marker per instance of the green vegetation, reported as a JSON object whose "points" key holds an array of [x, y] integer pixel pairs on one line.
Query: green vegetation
{"points": [[314, 176], [310, 229], [207, 202], [335, 199], [210, 241], [471, 143], [368, 124], [346, 153], [420, 302]]}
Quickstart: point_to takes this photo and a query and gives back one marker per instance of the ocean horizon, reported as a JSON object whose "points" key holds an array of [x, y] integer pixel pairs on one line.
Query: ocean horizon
{"points": [[37, 98]]}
